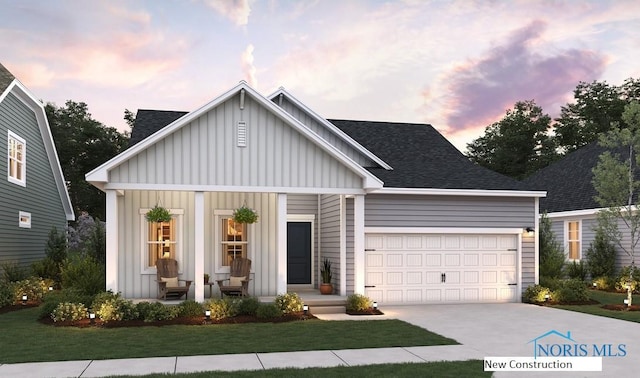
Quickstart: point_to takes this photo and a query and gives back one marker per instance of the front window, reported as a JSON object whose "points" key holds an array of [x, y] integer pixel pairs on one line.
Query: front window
{"points": [[234, 240], [573, 239], [16, 167], [160, 240]]}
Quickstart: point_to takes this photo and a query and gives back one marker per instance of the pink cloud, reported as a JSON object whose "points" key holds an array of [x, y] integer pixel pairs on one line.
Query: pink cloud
{"points": [[248, 69], [237, 11], [482, 89]]}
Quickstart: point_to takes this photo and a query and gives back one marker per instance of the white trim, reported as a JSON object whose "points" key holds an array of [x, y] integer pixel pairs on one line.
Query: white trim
{"points": [[440, 230], [567, 249], [23, 163], [281, 229], [218, 268], [301, 217], [574, 213], [222, 188], [536, 220], [144, 239], [24, 219], [519, 268], [100, 174], [335, 130], [358, 245], [311, 219], [343, 245], [460, 192], [198, 245], [111, 235]]}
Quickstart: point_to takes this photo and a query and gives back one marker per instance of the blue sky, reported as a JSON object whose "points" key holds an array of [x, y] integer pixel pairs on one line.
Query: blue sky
{"points": [[457, 65]]}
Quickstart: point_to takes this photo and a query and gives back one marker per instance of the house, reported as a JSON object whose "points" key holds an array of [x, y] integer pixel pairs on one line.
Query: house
{"points": [[33, 196], [570, 202], [401, 213]]}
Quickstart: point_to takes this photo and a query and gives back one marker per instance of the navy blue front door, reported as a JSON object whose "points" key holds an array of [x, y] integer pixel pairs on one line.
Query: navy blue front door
{"points": [[299, 252]]}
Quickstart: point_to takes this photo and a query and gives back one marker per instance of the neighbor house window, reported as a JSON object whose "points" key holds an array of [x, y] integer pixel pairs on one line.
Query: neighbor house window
{"points": [[16, 163], [233, 239], [161, 240], [24, 219], [574, 239]]}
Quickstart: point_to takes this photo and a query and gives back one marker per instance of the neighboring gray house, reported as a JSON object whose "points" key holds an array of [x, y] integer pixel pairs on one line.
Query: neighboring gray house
{"points": [[570, 203], [402, 214], [34, 195]]}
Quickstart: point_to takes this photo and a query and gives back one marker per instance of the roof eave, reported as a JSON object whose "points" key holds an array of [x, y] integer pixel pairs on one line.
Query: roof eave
{"points": [[462, 192]]}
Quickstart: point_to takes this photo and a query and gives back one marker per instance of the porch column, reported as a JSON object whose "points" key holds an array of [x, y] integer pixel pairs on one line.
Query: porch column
{"points": [[536, 245], [111, 228], [199, 246], [343, 246], [358, 244], [281, 253]]}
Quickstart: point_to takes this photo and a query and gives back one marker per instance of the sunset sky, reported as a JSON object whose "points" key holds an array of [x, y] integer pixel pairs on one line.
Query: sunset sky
{"points": [[457, 65]]}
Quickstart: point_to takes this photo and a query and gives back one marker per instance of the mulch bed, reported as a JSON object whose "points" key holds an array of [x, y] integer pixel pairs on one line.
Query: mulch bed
{"points": [[621, 307], [573, 303], [5, 309], [366, 312]]}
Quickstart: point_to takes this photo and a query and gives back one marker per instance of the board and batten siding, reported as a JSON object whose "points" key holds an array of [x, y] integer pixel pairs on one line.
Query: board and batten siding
{"points": [[40, 197], [205, 152], [262, 239], [325, 133], [330, 209], [383, 210]]}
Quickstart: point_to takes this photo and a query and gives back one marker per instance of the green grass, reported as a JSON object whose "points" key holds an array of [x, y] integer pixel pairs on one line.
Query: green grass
{"points": [[471, 369], [606, 298], [31, 341]]}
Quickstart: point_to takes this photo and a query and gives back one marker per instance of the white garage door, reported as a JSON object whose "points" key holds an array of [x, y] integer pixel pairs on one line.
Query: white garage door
{"points": [[447, 268]]}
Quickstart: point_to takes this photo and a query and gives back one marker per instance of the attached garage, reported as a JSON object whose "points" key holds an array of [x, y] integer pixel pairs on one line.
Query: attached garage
{"points": [[441, 268]]}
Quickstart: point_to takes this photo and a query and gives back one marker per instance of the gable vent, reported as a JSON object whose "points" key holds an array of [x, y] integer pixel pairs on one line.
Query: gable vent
{"points": [[242, 134]]}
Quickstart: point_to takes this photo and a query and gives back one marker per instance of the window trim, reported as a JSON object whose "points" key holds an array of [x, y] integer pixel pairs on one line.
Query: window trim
{"points": [[144, 236], [23, 170], [217, 241], [568, 241], [24, 219]]}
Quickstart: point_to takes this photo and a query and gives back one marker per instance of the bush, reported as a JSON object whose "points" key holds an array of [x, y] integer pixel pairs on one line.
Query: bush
{"points": [[604, 283], [84, 274], [358, 302], [190, 308], [601, 257], [623, 280], [6, 294], [12, 272], [222, 308], [52, 299], [46, 268], [117, 309], [572, 290], [551, 254], [537, 294], [248, 306], [153, 311], [268, 311], [552, 283], [103, 297], [34, 288], [576, 270], [288, 303], [56, 248], [67, 311]]}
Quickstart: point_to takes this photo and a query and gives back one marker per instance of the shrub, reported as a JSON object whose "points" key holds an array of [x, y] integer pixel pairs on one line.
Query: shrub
{"points": [[358, 302], [34, 288], [576, 270], [12, 272], [624, 279], [69, 311], [6, 294], [117, 309], [288, 303], [248, 306], [268, 311], [103, 297], [537, 294], [56, 248], [222, 308], [572, 290], [84, 274], [190, 308], [52, 299], [551, 254], [601, 256], [46, 268], [604, 283], [552, 283], [153, 311]]}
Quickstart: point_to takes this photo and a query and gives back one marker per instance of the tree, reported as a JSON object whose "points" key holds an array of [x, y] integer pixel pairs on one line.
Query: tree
{"points": [[83, 144], [551, 259], [615, 179], [597, 109], [518, 144]]}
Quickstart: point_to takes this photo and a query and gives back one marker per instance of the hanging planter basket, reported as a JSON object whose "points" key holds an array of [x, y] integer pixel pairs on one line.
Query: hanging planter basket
{"points": [[245, 215], [158, 214]]}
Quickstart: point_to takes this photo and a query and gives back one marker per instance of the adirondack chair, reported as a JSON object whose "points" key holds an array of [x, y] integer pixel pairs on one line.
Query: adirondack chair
{"points": [[169, 286], [238, 281]]}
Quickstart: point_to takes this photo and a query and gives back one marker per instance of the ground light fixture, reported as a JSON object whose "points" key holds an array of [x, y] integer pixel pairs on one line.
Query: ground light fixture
{"points": [[595, 284], [375, 305], [50, 288], [24, 299], [546, 297], [92, 317], [305, 309], [626, 301], [207, 314]]}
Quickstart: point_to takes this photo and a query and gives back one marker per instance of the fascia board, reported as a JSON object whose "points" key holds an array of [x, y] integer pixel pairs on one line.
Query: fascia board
{"points": [[461, 192]]}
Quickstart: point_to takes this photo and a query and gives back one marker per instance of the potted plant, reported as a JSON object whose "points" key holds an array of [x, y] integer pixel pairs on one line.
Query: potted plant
{"points": [[158, 214], [244, 214], [206, 278], [326, 287]]}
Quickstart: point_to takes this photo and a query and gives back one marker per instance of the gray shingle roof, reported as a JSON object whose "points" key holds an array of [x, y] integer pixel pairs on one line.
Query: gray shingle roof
{"points": [[150, 121], [5, 78]]}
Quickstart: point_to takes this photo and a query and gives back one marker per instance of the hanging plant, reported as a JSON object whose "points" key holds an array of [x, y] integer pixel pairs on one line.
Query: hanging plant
{"points": [[245, 215], [158, 214]]}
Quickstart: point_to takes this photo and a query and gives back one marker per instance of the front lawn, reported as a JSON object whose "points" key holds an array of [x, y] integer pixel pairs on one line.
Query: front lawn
{"points": [[32, 341], [606, 298]]}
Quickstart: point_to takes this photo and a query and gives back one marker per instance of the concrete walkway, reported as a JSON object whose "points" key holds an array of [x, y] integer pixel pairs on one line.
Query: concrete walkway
{"points": [[501, 330]]}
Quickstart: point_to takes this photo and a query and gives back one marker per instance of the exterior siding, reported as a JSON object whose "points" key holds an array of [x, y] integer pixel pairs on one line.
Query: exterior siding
{"points": [[205, 153], [330, 208], [443, 211], [325, 133], [351, 266], [262, 239], [40, 197], [528, 261]]}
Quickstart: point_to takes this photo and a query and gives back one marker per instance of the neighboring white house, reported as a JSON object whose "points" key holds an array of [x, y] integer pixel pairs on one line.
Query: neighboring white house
{"points": [[402, 214]]}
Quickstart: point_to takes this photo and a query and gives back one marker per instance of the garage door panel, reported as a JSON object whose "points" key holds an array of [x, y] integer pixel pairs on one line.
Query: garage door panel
{"points": [[489, 259], [452, 295], [433, 242], [470, 242], [452, 277], [433, 260], [394, 242], [471, 259], [394, 296], [394, 260], [415, 242], [394, 278], [433, 277], [433, 296], [414, 260], [472, 277], [452, 242], [415, 295], [414, 278], [375, 278], [471, 295], [452, 259]]}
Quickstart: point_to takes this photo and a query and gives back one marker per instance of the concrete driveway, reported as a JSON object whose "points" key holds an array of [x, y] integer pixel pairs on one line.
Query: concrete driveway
{"points": [[505, 330]]}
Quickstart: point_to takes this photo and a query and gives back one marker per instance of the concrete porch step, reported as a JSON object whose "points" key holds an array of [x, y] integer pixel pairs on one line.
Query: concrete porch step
{"points": [[327, 310]]}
